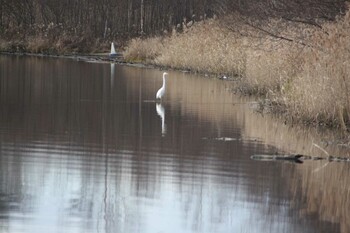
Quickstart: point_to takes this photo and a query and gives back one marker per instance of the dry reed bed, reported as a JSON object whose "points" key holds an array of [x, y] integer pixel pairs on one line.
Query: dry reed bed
{"points": [[308, 77]]}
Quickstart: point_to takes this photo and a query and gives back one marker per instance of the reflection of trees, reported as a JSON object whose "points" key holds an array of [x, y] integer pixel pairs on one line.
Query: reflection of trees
{"points": [[97, 147], [11, 193]]}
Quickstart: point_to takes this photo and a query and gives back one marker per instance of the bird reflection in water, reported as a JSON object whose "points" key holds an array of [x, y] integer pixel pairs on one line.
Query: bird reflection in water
{"points": [[161, 113], [112, 73]]}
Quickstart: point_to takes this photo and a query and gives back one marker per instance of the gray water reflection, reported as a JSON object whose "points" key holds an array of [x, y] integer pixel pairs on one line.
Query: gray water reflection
{"points": [[82, 150], [161, 113]]}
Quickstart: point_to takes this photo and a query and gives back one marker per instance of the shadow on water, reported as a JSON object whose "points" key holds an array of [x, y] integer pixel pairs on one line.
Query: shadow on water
{"points": [[83, 150]]}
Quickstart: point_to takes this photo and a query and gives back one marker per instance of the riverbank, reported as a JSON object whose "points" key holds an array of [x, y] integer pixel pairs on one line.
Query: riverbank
{"points": [[297, 69], [299, 72]]}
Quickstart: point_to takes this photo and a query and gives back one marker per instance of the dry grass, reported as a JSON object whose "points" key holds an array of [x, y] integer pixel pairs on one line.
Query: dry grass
{"points": [[321, 89], [39, 45], [204, 48], [309, 76], [143, 50]]}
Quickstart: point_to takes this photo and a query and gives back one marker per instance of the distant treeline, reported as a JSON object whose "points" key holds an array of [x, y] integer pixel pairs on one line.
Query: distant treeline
{"points": [[111, 18], [63, 26], [102, 18]]}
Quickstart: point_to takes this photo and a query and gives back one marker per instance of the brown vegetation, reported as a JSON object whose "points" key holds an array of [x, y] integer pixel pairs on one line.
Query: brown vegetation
{"points": [[301, 67], [54, 26], [144, 50], [292, 52], [321, 88]]}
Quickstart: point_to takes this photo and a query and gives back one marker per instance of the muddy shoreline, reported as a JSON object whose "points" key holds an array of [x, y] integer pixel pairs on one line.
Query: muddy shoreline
{"points": [[118, 59]]}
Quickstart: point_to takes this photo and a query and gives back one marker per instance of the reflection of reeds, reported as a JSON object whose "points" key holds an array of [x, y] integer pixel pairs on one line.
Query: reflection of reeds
{"points": [[323, 189], [322, 186], [308, 76], [325, 192]]}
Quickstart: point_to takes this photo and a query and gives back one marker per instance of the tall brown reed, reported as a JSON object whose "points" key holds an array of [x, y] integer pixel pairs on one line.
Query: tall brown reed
{"points": [[145, 50], [322, 89]]}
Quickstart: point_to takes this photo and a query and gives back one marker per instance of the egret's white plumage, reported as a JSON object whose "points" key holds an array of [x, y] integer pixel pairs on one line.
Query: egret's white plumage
{"points": [[161, 91]]}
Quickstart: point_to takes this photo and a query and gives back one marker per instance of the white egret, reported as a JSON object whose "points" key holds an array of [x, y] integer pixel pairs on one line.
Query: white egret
{"points": [[161, 91]]}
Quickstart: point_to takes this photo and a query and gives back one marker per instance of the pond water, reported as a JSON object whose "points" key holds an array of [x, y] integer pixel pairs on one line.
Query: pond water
{"points": [[85, 148]]}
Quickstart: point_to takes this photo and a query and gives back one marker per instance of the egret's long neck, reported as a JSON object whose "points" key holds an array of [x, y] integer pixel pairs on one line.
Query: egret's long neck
{"points": [[164, 81]]}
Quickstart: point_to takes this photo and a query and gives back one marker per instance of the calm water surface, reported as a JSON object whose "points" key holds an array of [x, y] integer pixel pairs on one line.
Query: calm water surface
{"points": [[84, 148]]}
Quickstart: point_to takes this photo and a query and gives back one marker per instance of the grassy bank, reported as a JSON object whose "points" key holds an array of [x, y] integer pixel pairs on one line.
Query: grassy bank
{"points": [[301, 69]]}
